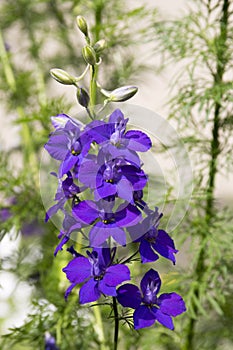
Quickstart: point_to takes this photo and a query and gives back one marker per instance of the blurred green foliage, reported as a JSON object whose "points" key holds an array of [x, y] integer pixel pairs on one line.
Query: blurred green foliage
{"points": [[200, 44]]}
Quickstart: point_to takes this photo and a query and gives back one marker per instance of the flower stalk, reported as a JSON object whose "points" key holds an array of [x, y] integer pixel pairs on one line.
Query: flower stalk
{"points": [[116, 319], [93, 89], [115, 179]]}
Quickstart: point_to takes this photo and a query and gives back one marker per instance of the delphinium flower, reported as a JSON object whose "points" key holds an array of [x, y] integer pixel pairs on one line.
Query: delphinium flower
{"points": [[114, 177], [149, 307], [105, 222], [69, 225], [29, 227], [152, 239], [68, 144], [101, 175], [66, 190], [99, 275], [50, 342], [116, 141]]}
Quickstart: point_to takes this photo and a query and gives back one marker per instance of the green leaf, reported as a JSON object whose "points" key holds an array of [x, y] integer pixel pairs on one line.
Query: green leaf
{"points": [[214, 304]]}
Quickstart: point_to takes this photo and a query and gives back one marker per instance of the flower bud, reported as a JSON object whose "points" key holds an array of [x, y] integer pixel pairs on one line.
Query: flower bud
{"points": [[100, 46], [83, 97], [121, 94], [62, 76], [82, 25], [89, 55]]}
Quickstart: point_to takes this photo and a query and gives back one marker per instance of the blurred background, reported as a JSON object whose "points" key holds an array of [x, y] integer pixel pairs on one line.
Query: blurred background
{"points": [[179, 54]]}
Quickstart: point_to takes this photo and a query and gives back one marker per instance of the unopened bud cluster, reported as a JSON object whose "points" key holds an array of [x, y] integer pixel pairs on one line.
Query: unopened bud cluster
{"points": [[91, 53]]}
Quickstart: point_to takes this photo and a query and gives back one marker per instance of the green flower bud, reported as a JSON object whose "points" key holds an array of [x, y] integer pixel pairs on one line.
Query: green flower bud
{"points": [[89, 55], [82, 25], [83, 97], [62, 76], [100, 46], [121, 94]]}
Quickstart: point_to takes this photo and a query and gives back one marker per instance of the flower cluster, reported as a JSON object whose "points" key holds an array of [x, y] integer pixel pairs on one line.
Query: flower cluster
{"points": [[100, 192]]}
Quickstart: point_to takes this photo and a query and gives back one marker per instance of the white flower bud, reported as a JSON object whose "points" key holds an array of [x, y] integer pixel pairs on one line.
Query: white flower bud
{"points": [[121, 94], [62, 76], [100, 46], [82, 25], [89, 55]]}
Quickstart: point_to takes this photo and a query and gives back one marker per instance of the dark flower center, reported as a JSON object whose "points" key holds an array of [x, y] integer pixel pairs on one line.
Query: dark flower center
{"points": [[108, 221], [76, 200], [99, 277], [75, 153], [76, 148], [151, 235]]}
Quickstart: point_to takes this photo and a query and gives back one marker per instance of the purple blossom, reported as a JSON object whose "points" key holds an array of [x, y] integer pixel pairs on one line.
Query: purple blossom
{"points": [[50, 342], [152, 239], [60, 120], [6, 211], [106, 223], [69, 225], [148, 306], [34, 227], [116, 141], [97, 273], [112, 178], [137, 197], [68, 143], [67, 189], [28, 228], [5, 214]]}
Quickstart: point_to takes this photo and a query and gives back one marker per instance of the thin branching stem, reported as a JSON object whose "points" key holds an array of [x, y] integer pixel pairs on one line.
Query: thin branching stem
{"points": [[214, 153], [116, 319]]}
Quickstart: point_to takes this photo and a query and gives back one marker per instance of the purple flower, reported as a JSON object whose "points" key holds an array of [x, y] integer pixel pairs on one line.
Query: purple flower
{"points": [[106, 223], [151, 239], [114, 139], [60, 120], [137, 197], [70, 224], [112, 178], [97, 273], [5, 211], [67, 189], [34, 227], [5, 214], [50, 342], [148, 306], [67, 143]]}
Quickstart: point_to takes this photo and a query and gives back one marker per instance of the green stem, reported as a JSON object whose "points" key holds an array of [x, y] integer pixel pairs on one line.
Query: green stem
{"points": [[116, 318], [90, 110], [214, 153], [98, 19], [93, 88], [6, 65], [99, 327], [94, 69]]}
